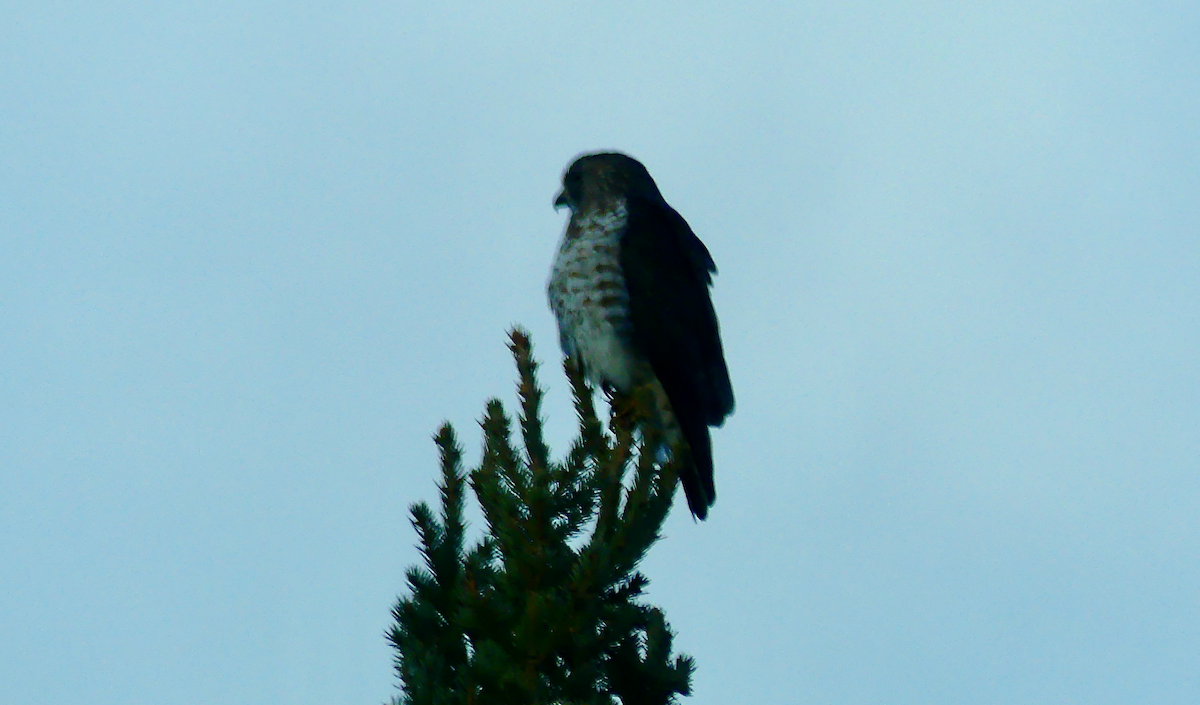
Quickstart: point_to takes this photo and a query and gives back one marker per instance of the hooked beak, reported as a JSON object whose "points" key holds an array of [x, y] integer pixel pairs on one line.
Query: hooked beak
{"points": [[561, 201]]}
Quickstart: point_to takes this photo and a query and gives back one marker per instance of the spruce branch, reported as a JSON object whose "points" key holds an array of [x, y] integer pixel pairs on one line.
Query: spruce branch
{"points": [[547, 606]]}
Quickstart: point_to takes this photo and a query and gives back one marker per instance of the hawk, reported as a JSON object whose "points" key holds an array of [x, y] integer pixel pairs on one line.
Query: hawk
{"points": [[629, 289]]}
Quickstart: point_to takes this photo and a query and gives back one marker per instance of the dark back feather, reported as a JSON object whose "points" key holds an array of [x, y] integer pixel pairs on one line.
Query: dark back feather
{"points": [[668, 272]]}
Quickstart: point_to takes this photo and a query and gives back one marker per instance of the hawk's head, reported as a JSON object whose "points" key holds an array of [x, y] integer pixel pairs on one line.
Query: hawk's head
{"points": [[595, 179]]}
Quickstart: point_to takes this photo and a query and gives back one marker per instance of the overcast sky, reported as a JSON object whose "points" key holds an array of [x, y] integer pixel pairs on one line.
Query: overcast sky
{"points": [[253, 253]]}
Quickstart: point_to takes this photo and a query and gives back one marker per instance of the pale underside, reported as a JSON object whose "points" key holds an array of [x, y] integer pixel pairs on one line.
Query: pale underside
{"points": [[590, 300]]}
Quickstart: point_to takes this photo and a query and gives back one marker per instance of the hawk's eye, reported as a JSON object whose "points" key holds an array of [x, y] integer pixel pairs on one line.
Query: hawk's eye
{"points": [[573, 183]]}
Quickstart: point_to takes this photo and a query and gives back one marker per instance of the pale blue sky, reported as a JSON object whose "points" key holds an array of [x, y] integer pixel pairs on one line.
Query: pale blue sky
{"points": [[252, 254]]}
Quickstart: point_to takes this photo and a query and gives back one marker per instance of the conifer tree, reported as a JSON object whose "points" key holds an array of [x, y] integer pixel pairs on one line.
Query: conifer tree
{"points": [[546, 607]]}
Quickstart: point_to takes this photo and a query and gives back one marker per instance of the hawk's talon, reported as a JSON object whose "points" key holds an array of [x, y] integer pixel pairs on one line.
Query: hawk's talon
{"points": [[624, 409]]}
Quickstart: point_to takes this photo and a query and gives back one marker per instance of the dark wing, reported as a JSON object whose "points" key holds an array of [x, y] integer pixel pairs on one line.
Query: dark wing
{"points": [[667, 272]]}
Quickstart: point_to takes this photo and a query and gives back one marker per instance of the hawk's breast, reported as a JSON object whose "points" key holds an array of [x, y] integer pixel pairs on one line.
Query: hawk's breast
{"points": [[589, 297]]}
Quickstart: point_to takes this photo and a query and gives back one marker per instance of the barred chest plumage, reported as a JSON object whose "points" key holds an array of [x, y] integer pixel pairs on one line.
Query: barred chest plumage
{"points": [[589, 297]]}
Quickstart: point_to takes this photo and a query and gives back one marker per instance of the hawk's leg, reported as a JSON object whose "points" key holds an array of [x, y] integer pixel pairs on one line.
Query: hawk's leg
{"points": [[660, 429]]}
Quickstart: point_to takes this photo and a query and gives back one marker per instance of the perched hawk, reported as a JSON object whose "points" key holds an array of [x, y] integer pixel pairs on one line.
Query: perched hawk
{"points": [[629, 288]]}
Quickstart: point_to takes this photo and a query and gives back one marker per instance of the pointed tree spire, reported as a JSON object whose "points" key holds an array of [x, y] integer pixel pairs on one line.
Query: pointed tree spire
{"points": [[547, 605]]}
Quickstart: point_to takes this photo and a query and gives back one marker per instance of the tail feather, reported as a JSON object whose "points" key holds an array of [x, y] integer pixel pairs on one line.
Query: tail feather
{"points": [[697, 474], [685, 430]]}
